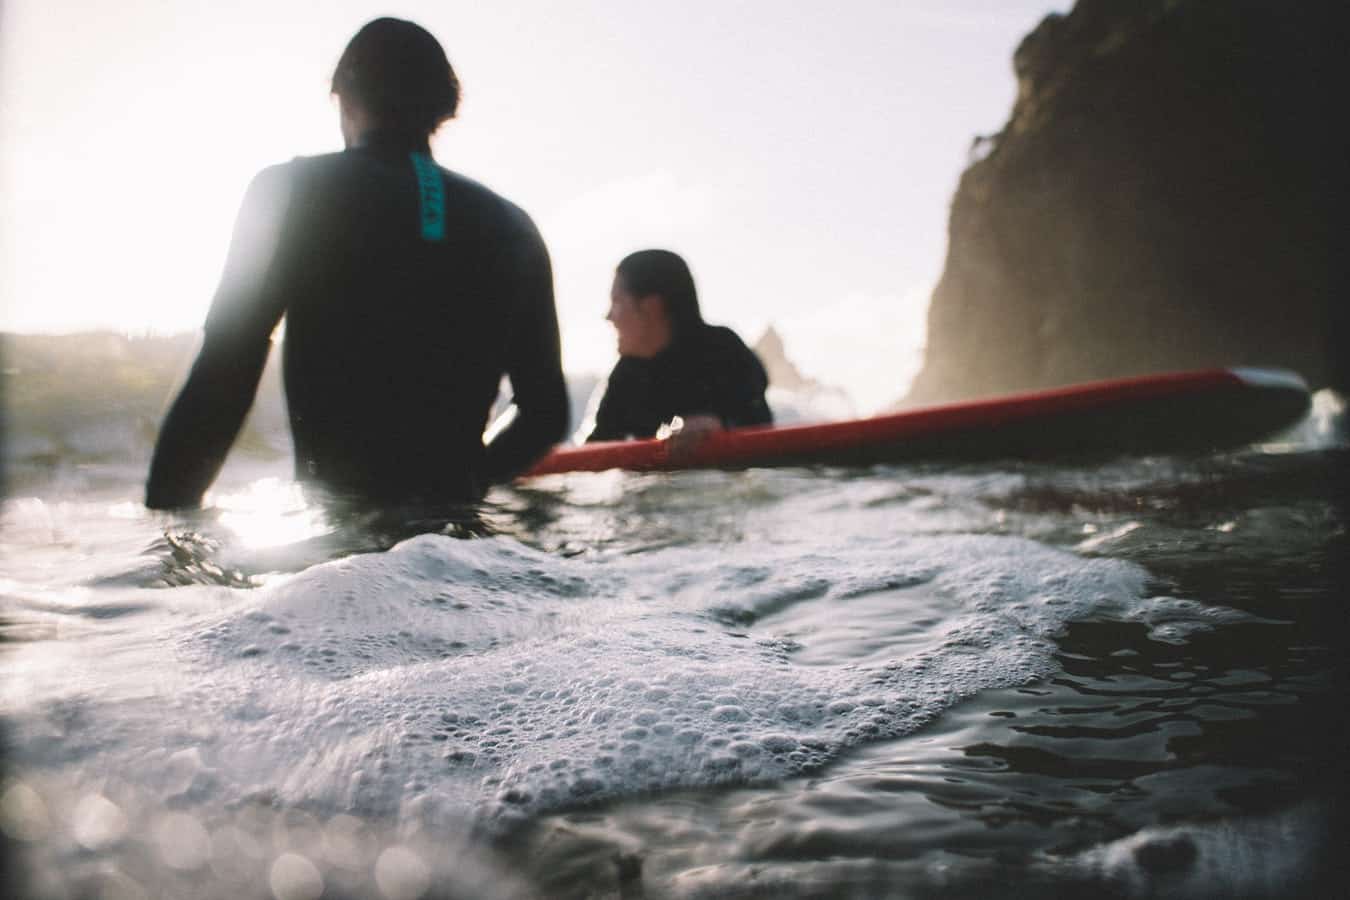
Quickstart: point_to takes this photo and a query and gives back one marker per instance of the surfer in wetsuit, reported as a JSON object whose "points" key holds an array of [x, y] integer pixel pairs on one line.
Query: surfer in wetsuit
{"points": [[672, 363], [408, 292]]}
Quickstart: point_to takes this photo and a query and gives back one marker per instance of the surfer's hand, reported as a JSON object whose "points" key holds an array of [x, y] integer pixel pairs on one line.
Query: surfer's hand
{"points": [[688, 433]]}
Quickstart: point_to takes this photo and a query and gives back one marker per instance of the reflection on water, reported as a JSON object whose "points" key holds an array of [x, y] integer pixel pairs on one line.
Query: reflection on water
{"points": [[270, 513], [1124, 678]]}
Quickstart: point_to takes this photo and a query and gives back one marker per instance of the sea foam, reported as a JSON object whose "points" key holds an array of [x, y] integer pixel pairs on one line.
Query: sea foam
{"points": [[448, 680]]}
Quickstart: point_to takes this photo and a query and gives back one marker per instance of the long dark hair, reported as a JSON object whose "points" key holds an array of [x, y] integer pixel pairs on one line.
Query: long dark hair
{"points": [[667, 275], [399, 74]]}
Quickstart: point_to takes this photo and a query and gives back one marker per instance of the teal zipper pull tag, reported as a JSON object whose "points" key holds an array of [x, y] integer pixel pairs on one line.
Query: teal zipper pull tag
{"points": [[431, 194]]}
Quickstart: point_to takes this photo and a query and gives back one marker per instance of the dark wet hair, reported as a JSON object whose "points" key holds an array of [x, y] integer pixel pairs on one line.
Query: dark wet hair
{"points": [[399, 74], [665, 274]]}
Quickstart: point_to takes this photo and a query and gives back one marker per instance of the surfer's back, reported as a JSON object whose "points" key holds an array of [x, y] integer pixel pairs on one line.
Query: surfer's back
{"points": [[396, 337], [408, 292]]}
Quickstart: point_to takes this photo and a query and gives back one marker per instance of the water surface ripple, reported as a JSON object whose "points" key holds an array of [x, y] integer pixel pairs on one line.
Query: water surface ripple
{"points": [[1114, 676]]}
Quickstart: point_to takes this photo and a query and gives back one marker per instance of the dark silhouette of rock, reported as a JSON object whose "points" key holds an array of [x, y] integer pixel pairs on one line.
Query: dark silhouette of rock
{"points": [[1162, 197]]}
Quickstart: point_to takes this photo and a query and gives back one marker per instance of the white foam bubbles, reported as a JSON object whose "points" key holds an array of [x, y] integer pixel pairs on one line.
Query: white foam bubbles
{"points": [[1174, 620], [448, 678]]}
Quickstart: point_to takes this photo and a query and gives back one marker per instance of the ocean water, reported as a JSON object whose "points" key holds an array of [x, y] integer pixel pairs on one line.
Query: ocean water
{"points": [[1121, 677]]}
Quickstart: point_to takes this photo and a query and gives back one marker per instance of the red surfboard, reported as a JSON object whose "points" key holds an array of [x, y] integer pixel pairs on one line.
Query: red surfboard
{"points": [[1176, 412]]}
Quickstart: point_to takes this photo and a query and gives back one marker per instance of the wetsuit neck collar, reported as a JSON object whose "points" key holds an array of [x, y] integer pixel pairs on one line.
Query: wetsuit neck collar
{"points": [[391, 140], [678, 342]]}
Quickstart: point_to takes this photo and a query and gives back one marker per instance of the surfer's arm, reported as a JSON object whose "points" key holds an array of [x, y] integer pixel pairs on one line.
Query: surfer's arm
{"points": [[733, 391], [746, 405], [206, 416], [751, 409], [612, 416], [607, 427], [203, 422], [688, 433], [534, 365]]}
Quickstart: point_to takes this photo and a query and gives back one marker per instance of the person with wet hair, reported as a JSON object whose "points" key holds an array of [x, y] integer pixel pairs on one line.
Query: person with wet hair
{"points": [[672, 364], [408, 292]]}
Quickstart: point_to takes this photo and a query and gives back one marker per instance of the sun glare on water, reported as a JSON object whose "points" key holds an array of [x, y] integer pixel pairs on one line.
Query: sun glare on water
{"points": [[271, 512]]}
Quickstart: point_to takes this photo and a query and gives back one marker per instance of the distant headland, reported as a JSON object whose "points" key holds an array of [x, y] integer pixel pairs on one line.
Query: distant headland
{"points": [[1162, 197]]}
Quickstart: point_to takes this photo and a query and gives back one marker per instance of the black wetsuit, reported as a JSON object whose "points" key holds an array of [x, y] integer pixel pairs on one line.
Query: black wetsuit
{"points": [[707, 372], [408, 292]]}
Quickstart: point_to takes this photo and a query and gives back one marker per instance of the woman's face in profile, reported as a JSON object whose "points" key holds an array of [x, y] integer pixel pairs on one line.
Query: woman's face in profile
{"points": [[638, 324]]}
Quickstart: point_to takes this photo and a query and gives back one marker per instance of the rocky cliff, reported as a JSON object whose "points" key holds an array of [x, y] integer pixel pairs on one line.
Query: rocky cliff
{"points": [[793, 397], [1162, 197], [782, 371]]}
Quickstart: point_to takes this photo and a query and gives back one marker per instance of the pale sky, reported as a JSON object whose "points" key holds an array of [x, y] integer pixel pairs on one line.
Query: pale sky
{"points": [[802, 160]]}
